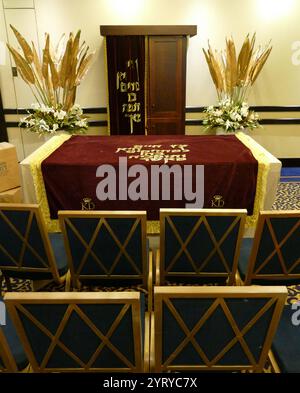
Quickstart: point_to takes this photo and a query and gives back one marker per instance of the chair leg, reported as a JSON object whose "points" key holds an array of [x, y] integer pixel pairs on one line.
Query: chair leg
{"points": [[273, 363], [77, 286], [68, 282]]}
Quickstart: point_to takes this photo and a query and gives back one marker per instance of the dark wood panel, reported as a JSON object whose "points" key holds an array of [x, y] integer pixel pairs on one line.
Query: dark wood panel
{"points": [[148, 30], [166, 77], [167, 126]]}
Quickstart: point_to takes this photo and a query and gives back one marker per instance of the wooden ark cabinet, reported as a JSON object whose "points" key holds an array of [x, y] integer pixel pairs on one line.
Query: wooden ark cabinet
{"points": [[166, 84], [165, 71]]}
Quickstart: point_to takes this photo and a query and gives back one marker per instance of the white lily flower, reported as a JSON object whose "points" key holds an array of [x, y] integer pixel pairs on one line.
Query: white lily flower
{"points": [[244, 111], [228, 124], [81, 123], [60, 115], [35, 106]]}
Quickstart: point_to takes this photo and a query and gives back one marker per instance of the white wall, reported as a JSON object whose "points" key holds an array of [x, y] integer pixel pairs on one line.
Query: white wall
{"points": [[278, 20], [271, 19]]}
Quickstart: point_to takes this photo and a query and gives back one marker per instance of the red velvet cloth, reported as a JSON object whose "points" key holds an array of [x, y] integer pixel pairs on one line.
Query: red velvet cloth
{"points": [[69, 173]]}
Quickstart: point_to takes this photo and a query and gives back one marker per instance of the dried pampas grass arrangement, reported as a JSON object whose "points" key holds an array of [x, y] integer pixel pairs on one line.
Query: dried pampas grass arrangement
{"points": [[55, 77], [233, 74]]}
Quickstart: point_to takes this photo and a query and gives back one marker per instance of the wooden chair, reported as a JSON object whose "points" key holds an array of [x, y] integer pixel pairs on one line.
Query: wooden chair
{"points": [[108, 248], [12, 355], [82, 332], [286, 348], [199, 245], [274, 255], [213, 328], [26, 252]]}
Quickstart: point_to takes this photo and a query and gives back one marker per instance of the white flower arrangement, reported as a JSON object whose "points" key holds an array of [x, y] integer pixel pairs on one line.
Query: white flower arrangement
{"points": [[53, 79], [231, 116], [47, 120]]}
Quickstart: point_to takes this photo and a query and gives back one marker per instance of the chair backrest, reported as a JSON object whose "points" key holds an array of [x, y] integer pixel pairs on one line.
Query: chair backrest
{"points": [[200, 243], [215, 328], [24, 244], [275, 254], [79, 331], [105, 245], [12, 355]]}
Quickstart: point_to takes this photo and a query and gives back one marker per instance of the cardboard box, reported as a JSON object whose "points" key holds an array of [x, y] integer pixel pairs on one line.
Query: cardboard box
{"points": [[11, 196], [9, 167]]}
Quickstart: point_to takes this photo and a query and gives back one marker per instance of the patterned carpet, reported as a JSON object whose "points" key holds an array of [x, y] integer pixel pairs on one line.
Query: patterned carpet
{"points": [[287, 198]]}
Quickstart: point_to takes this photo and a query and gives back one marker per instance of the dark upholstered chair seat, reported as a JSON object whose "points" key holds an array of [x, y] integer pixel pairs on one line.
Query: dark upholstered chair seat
{"points": [[14, 343], [286, 343]]}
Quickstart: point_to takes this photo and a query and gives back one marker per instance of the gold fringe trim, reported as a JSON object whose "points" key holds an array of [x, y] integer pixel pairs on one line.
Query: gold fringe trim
{"points": [[153, 228], [36, 171], [262, 175]]}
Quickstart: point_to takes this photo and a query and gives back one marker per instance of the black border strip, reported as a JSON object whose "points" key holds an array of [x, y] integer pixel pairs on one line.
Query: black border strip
{"points": [[262, 108], [98, 123], [280, 121], [188, 109], [12, 111], [290, 162], [95, 110], [22, 111], [196, 122]]}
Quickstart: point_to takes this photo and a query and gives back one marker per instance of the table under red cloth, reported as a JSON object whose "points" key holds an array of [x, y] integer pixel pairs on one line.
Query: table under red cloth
{"points": [[69, 173]]}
